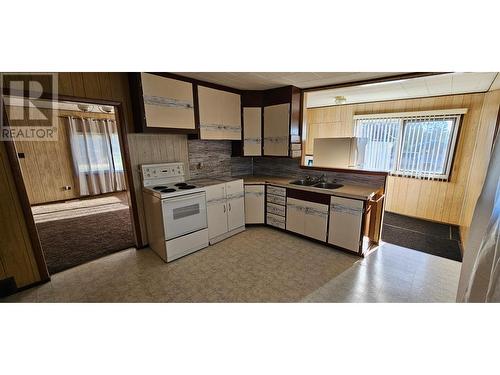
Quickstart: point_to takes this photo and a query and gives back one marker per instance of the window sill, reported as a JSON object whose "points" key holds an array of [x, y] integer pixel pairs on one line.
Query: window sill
{"points": [[441, 179]]}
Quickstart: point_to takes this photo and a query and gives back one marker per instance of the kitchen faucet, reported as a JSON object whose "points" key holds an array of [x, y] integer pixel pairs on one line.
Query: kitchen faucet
{"points": [[321, 178]]}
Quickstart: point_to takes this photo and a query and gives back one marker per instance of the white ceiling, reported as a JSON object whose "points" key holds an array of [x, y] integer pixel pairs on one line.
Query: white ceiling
{"points": [[496, 83], [443, 84], [270, 80]]}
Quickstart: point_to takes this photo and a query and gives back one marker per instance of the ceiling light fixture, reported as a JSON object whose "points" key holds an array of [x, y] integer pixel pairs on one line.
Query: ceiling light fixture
{"points": [[340, 99], [85, 107]]}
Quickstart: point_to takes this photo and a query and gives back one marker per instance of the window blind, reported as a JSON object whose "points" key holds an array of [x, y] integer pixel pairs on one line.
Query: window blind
{"points": [[418, 145]]}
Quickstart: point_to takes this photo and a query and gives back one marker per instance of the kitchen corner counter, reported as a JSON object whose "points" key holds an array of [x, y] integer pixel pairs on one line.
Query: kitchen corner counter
{"points": [[363, 192]]}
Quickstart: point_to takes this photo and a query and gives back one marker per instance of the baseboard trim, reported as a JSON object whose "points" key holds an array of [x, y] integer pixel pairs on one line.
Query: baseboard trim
{"points": [[15, 290], [222, 237]]}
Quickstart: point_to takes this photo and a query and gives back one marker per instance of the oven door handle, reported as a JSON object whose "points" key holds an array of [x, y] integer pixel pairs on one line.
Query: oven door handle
{"points": [[184, 197]]}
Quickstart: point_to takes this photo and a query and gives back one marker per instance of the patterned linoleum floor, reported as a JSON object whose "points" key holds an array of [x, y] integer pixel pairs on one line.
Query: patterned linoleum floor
{"points": [[394, 274], [259, 265]]}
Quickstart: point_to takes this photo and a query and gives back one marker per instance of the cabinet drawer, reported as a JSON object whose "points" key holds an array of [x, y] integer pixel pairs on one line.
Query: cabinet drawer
{"points": [[276, 199], [276, 190], [276, 209], [276, 221]]}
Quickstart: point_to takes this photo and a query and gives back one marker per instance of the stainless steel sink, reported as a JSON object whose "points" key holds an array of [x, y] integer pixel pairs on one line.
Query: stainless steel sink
{"points": [[327, 185], [303, 182]]}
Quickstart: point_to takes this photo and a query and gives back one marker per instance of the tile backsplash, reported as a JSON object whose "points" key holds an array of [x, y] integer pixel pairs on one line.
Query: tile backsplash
{"points": [[291, 168], [213, 159]]}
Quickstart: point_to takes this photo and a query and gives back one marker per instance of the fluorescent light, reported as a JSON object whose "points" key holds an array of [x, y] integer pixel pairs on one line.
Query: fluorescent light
{"points": [[386, 82]]}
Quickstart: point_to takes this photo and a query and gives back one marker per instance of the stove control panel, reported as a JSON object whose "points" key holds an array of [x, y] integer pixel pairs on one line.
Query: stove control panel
{"points": [[153, 171]]}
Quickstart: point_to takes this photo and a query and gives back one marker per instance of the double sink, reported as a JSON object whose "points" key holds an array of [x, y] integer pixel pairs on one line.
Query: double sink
{"points": [[316, 184]]}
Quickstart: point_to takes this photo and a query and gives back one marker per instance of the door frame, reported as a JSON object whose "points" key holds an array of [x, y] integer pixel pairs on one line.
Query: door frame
{"points": [[15, 166]]}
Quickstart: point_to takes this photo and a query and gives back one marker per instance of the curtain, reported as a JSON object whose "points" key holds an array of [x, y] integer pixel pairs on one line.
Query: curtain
{"points": [[97, 161]]}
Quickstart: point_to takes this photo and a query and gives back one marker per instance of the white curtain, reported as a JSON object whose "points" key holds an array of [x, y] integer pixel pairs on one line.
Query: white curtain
{"points": [[96, 155]]}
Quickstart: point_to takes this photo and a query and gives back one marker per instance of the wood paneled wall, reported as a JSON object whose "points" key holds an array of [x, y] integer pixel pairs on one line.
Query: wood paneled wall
{"points": [[431, 200], [16, 252], [154, 148], [480, 158], [47, 166]]}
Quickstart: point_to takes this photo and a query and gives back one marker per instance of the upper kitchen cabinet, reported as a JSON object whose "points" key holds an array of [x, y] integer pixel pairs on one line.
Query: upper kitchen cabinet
{"points": [[220, 114], [252, 131], [277, 130], [281, 122], [162, 103], [271, 120]]}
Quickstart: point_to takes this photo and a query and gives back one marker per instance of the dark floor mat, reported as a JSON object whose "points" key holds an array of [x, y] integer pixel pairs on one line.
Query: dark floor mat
{"points": [[425, 243], [427, 236], [455, 233], [417, 225]]}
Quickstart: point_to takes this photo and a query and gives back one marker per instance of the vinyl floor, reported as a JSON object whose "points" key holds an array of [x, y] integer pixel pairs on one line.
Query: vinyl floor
{"points": [[261, 264]]}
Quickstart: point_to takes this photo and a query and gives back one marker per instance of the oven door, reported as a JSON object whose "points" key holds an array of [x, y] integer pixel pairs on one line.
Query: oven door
{"points": [[184, 214]]}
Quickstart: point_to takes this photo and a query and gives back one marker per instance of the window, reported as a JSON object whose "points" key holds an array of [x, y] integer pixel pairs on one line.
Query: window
{"points": [[417, 144], [96, 148]]}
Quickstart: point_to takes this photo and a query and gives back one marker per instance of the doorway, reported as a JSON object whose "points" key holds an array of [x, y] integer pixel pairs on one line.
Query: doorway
{"points": [[76, 182]]}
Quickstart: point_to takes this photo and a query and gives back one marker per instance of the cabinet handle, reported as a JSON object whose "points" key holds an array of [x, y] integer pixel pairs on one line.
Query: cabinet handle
{"points": [[224, 208], [229, 206]]}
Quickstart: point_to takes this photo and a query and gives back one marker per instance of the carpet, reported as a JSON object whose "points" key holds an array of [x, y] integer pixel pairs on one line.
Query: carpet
{"points": [[77, 232], [438, 239]]}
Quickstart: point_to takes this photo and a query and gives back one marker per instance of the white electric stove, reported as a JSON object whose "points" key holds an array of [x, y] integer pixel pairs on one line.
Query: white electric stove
{"points": [[175, 210]]}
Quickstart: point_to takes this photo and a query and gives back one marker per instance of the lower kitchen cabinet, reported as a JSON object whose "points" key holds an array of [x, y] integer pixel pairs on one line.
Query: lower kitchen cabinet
{"points": [[295, 216], [316, 221], [255, 204], [235, 205], [327, 218], [275, 206], [216, 210], [307, 218], [346, 216], [225, 209]]}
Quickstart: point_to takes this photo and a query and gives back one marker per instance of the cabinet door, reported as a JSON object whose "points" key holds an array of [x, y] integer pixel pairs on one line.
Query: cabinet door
{"points": [[168, 103], [234, 189], [252, 131], [216, 210], [276, 129], [345, 223], [236, 204], [217, 219], [254, 204], [316, 220], [209, 104], [220, 114], [231, 115], [235, 213], [295, 215]]}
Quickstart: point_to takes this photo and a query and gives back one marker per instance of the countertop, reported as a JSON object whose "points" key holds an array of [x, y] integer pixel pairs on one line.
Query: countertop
{"points": [[363, 192]]}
